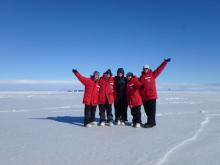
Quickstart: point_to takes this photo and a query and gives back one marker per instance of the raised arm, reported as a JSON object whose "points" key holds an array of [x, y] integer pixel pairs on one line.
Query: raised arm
{"points": [[157, 72], [82, 79]]}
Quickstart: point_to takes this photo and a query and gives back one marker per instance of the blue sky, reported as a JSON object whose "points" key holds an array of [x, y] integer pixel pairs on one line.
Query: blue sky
{"points": [[45, 39]]}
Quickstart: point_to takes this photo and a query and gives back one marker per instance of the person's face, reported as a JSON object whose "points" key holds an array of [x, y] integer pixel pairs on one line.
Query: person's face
{"points": [[120, 75], [108, 76], [129, 78], [96, 76], [146, 70]]}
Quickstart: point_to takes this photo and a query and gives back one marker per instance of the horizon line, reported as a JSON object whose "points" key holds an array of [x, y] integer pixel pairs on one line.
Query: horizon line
{"points": [[75, 81]]}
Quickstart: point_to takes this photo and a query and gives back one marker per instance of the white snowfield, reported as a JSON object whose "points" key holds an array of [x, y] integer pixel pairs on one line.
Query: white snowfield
{"points": [[46, 128]]}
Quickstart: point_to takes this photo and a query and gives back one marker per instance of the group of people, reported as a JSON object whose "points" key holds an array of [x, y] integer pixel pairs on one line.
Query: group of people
{"points": [[122, 91]]}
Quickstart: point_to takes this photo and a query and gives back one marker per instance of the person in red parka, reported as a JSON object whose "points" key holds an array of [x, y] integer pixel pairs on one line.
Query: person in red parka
{"points": [[106, 98], [149, 93], [91, 96], [134, 98]]}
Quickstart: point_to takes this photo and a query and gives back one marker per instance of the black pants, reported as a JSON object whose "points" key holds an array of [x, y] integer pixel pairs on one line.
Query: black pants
{"points": [[150, 110], [89, 114], [121, 110], [105, 108], [136, 113]]}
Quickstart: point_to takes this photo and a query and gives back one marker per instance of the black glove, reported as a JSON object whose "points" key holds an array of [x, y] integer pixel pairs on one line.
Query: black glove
{"points": [[167, 59], [74, 70], [133, 87]]}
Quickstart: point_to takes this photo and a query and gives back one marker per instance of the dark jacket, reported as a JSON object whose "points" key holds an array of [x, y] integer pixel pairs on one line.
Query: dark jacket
{"points": [[120, 88]]}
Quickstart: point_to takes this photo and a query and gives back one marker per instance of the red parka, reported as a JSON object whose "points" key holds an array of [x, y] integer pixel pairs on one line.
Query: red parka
{"points": [[133, 95], [92, 87], [106, 94], [148, 81]]}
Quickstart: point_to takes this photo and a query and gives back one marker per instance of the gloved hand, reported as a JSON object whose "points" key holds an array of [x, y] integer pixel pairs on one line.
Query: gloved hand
{"points": [[133, 87], [141, 87], [167, 59], [74, 70]]}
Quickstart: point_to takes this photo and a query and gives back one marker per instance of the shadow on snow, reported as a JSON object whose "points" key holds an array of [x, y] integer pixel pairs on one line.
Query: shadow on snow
{"points": [[75, 120]]}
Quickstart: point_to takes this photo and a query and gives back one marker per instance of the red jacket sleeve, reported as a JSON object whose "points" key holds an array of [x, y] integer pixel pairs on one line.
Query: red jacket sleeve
{"points": [[157, 72], [82, 79], [137, 83]]}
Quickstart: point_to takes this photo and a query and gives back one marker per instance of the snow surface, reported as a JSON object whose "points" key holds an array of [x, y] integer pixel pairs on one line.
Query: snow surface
{"points": [[44, 128]]}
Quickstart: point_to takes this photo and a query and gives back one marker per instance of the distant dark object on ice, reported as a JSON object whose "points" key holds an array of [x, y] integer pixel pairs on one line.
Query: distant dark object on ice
{"points": [[76, 91]]}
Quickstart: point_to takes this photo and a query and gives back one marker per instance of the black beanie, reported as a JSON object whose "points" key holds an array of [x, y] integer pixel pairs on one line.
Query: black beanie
{"points": [[120, 70], [109, 72], [130, 74]]}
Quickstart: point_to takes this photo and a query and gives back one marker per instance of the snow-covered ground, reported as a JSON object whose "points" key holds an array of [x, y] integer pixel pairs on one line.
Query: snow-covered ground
{"points": [[45, 128]]}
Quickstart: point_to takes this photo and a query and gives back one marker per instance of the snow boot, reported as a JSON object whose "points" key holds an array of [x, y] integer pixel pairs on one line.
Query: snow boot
{"points": [[93, 123], [102, 124], [110, 124], [88, 125], [123, 123], [118, 122], [137, 125], [146, 125]]}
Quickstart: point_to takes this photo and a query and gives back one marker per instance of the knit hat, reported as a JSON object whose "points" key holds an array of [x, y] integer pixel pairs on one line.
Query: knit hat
{"points": [[95, 73], [120, 70], [146, 67], [109, 72], [130, 74]]}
